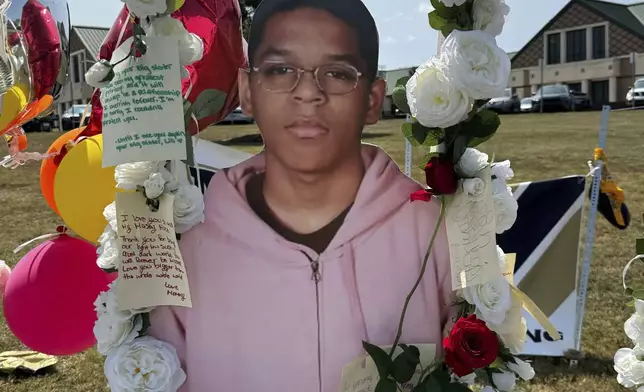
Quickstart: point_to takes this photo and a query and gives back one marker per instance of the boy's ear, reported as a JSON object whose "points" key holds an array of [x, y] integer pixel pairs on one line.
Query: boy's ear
{"points": [[243, 81], [376, 100]]}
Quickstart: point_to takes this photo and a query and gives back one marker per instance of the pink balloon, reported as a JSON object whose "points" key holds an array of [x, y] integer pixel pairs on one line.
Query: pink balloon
{"points": [[49, 298]]}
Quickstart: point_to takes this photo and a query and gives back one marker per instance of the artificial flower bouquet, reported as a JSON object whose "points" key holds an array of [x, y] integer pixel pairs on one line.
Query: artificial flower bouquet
{"points": [[446, 99]]}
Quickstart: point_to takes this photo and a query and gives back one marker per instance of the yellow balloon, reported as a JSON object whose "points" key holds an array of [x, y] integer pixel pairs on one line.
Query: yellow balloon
{"points": [[83, 188], [13, 102]]}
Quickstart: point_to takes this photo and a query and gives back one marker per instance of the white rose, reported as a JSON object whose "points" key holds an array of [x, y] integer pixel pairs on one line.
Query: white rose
{"points": [[171, 183], [474, 187], [505, 209], [100, 74], [452, 3], [146, 364], [502, 170], [471, 162], [492, 299], [129, 176], [154, 185], [433, 99], [108, 251], [630, 370], [634, 326], [503, 261], [504, 381], [188, 208], [111, 333], [469, 380], [521, 368], [106, 303], [190, 45], [145, 8], [110, 215], [476, 64], [489, 15], [513, 330]]}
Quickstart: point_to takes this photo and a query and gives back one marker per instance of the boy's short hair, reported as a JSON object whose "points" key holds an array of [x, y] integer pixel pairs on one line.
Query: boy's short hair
{"points": [[352, 12]]}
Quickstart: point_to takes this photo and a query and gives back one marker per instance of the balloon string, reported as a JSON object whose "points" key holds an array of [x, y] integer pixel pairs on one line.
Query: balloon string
{"points": [[625, 271], [59, 231], [123, 29]]}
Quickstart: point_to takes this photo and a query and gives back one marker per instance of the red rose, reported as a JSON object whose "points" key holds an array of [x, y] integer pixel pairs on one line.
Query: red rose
{"points": [[440, 176], [470, 345], [421, 195]]}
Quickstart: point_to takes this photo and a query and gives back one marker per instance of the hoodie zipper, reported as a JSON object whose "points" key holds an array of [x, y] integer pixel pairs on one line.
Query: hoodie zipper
{"points": [[315, 277]]}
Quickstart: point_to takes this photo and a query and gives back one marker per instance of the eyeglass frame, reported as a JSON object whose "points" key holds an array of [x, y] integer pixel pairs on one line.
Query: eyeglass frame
{"points": [[314, 71]]}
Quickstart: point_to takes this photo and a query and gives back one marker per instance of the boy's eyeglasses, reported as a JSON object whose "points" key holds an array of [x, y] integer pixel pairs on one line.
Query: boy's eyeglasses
{"points": [[334, 79]]}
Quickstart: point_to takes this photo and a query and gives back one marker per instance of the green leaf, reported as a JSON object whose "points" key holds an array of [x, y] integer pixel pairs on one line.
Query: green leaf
{"points": [[463, 18], [146, 323], [455, 387], [628, 291], [483, 124], [429, 384], [449, 27], [631, 303], [173, 5], [403, 81], [639, 294], [436, 21], [419, 135], [443, 10], [442, 376], [208, 103], [187, 120], [406, 363], [478, 141], [399, 96], [460, 144], [639, 246], [381, 358], [386, 385]]}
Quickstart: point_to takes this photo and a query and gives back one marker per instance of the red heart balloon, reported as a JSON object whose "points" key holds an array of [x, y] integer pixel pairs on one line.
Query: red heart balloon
{"points": [[213, 80]]}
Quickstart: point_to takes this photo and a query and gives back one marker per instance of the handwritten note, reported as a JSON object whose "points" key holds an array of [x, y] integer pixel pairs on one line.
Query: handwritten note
{"points": [[151, 272], [510, 261], [471, 232], [361, 374], [143, 105]]}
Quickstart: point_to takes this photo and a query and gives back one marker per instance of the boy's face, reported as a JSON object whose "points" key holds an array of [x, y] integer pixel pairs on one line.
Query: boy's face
{"points": [[306, 129]]}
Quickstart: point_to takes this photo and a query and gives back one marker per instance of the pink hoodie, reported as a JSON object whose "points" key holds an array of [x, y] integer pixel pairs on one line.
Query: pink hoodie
{"points": [[260, 322]]}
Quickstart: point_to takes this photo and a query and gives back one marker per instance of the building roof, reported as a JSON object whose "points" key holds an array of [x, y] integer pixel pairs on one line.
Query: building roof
{"points": [[630, 17], [91, 37]]}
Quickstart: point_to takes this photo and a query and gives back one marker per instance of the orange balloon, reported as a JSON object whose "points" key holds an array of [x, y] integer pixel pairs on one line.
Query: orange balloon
{"points": [[31, 111], [48, 167]]}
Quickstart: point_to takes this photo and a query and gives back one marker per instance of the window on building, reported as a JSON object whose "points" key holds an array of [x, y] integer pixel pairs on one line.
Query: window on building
{"points": [[599, 42], [553, 50], [574, 87], [76, 69], [576, 45]]}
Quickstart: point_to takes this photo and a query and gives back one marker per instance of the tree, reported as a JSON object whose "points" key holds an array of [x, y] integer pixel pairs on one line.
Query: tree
{"points": [[247, 11]]}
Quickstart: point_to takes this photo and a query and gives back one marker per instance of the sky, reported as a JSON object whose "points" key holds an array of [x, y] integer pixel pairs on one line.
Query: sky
{"points": [[405, 35]]}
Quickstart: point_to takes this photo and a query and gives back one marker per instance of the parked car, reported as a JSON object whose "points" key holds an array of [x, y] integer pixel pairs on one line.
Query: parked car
{"points": [[554, 97], [581, 101], [44, 124], [636, 93], [508, 103], [72, 117], [237, 116], [526, 104]]}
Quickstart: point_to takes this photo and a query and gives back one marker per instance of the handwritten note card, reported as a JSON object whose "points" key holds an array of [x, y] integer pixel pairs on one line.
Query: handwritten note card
{"points": [[143, 106], [361, 374], [152, 272], [471, 232]]}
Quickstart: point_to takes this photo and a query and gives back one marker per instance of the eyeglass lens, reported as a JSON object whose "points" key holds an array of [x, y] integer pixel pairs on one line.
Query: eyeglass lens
{"points": [[332, 79]]}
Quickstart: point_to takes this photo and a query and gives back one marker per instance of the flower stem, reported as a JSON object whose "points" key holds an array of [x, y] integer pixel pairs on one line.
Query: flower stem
{"points": [[420, 276]]}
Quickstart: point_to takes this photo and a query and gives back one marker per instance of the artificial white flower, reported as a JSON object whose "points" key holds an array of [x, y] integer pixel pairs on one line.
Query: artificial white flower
{"points": [[474, 187], [19, 58], [469, 380], [188, 208], [100, 74], [492, 299], [471, 162], [452, 3], [503, 261], [110, 215], [145, 8], [513, 330], [433, 99], [487, 388], [634, 326], [154, 185], [146, 364], [171, 183], [190, 45], [489, 15], [111, 333], [502, 170], [522, 368], [504, 381], [505, 209], [106, 303], [108, 251], [129, 176], [476, 64], [629, 368]]}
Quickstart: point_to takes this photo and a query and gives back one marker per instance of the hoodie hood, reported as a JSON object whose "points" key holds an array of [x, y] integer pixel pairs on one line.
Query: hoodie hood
{"points": [[384, 189]]}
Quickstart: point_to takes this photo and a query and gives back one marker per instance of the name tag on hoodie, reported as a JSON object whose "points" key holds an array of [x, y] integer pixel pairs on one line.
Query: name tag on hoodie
{"points": [[361, 374], [471, 232]]}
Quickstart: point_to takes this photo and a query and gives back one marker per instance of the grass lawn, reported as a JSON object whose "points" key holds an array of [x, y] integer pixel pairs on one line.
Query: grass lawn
{"points": [[539, 146]]}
